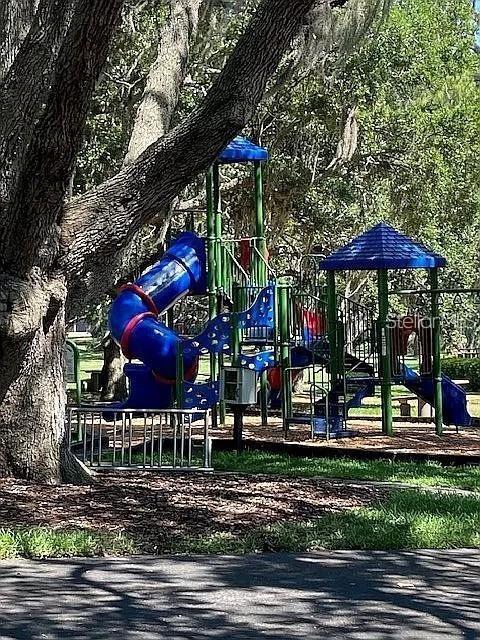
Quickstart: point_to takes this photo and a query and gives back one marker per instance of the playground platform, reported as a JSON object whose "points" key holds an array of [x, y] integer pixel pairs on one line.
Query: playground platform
{"points": [[411, 441]]}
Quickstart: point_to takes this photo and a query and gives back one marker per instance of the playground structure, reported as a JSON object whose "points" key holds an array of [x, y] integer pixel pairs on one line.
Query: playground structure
{"points": [[278, 327]]}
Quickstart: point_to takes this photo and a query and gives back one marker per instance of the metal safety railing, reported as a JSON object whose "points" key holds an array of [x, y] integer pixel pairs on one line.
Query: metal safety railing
{"points": [[359, 324], [170, 439], [232, 272], [248, 258]]}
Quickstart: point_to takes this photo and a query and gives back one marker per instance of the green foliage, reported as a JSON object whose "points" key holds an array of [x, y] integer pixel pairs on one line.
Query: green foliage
{"points": [[423, 474], [414, 89], [410, 156], [463, 369]]}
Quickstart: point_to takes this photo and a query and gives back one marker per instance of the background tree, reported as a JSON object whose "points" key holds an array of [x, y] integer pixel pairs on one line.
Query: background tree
{"points": [[392, 134]]}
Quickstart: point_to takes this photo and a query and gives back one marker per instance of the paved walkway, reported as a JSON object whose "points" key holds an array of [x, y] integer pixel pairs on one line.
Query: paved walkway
{"points": [[334, 595]]}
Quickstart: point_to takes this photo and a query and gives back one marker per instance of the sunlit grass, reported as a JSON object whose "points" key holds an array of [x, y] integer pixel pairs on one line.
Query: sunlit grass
{"points": [[46, 542], [430, 474], [405, 520]]}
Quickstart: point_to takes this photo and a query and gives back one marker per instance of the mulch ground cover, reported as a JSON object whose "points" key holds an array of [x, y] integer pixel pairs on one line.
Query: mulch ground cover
{"points": [[154, 507], [407, 438]]}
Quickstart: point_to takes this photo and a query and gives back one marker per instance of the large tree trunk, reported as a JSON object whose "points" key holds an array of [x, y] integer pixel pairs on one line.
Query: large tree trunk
{"points": [[62, 55], [33, 440], [32, 393]]}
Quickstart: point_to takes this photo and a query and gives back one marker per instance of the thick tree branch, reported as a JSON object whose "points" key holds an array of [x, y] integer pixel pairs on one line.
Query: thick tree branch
{"points": [[165, 78], [26, 85], [15, 19], [38, 195], [112, 213]]}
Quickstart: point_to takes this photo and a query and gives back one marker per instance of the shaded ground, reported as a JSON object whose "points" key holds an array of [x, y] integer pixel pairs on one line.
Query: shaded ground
{"points": [[158, 507], [407, 438], [337, 595]]}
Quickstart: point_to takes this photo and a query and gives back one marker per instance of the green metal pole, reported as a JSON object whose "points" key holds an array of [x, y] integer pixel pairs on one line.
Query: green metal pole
{"points": [[217, 228], [285, 360], [436, 352], [211, 276], [170, 312], [236, 331], [332, 325], [179, 376], [384, 351], [219, 266], [261, 269], [260, 224], [212, 284], [76, 371]]}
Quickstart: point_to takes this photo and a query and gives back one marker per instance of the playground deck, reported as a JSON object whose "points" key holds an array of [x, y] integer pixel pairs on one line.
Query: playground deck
{"points": [[409, 440]]}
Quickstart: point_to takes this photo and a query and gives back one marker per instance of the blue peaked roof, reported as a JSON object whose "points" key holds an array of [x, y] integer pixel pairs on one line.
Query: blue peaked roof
{"points": [[382, 247], [242, 150]]}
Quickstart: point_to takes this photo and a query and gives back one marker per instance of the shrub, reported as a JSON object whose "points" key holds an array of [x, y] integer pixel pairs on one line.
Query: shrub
{"points": [[465, 369]]}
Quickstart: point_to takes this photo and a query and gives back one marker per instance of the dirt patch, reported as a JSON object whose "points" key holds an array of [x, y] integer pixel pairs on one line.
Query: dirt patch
{"points": [[156, 507]]}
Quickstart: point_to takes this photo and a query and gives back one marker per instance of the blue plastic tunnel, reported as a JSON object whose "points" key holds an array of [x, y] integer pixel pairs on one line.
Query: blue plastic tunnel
{"points": [[133, 318]]}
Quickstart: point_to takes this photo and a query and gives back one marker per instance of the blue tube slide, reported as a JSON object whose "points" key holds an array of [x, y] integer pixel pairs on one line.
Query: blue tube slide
{"points": [[134, 323]]}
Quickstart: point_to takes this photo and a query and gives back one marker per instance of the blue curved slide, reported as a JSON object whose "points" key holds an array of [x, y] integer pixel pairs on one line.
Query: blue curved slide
{"points": [[134, 323]]}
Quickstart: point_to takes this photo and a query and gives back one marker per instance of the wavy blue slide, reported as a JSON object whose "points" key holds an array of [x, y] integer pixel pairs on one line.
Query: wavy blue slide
{"points": [[134, 323]]}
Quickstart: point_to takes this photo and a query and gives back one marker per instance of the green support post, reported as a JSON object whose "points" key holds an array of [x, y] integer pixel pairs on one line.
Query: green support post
{"points": [[212, 285], [332, 327], [384, 353], [436, 353], [285, 360], [259, 266], [170, 311], [212, 267], [179, 376], [219, 266], [236, 331], [217, 229], [261, 270], [73, 374]]}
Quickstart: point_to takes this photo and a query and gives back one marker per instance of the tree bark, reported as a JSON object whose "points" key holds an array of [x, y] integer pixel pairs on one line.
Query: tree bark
{"points": [[41, 182], [32, 393], [112, 381], [33, 185], [165, 78], [16, 16]]}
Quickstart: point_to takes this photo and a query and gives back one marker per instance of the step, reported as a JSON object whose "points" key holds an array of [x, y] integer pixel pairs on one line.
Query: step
{"points": [[319, 426]]}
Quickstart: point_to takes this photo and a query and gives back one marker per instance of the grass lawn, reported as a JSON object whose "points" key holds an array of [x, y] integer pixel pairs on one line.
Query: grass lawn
{"points": [[423, 474]]}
